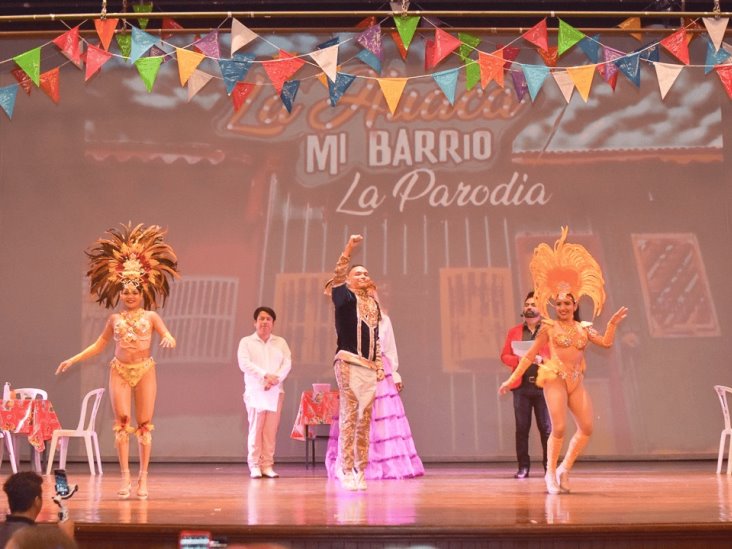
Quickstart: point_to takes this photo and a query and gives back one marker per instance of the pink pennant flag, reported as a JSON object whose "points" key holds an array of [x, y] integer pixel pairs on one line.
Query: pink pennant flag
{"points": [[716, 27], [209, 45], [282, 69], [677, 45], [327, 59], [241, 35], [565, 83], [95, 58], [537, 35], [445, 44], [68, 43], [49, 84], [196, 82], [667, 75]]}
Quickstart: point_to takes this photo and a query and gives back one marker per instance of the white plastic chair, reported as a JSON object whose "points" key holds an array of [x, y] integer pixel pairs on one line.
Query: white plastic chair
{"points": [[84, 429], [11, 452], [30, 393], [722, 393]]}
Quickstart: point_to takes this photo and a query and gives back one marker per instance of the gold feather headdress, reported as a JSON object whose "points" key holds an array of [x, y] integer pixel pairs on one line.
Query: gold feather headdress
{"points": [[133, 255], [566, 269]]}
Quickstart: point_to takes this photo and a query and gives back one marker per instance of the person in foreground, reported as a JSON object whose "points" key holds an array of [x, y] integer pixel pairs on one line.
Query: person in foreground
{"points": [[357, 362], [133, 266], [565, 274]]}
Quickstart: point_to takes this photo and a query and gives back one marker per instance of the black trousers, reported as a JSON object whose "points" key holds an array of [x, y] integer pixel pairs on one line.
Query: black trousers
{"points": [[526, 398]]}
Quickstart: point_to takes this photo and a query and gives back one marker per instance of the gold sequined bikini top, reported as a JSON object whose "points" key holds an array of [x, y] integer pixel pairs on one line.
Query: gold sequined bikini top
{"points": [[568, 336], [133, 330]]}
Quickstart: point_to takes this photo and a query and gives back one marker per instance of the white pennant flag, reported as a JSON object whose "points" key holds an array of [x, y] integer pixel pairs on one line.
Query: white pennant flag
{"points": [[667, 74], [716, 26], [241, 35], [197, 81], [565, 83], [327, 59]]}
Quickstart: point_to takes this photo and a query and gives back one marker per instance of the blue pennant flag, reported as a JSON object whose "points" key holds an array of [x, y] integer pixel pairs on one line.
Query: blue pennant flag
{"points": [[141, 42], [328, 43], [338, 88], [714, 57], [535, 76], [289, 91], [629, 65], [590, 45], [650, 52], [370, 59], [235, 69], [7, 98], [447, 80]]}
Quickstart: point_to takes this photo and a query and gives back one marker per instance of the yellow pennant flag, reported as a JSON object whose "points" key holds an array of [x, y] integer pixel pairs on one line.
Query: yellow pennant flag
{"points": [[582, 78], [188, 61], [392, 89]]}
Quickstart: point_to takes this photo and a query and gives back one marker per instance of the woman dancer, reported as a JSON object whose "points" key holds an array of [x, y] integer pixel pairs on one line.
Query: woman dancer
{"points": [[133, 265], [565, 274]]}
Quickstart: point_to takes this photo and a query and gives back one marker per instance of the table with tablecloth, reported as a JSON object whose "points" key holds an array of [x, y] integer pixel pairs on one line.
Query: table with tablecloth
{"points": [[35, 418], [315, 409]]}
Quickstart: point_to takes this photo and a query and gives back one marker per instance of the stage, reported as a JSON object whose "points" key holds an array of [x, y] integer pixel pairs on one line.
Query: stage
{"points": [[660, 504]]}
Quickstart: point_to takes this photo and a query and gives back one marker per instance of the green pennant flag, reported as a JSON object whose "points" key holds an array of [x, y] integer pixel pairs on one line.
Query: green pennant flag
{"points": [[568, 37], [142, 7], [148, 68], [30, 62], [472, 74], [124, 42], [468, 45], [406, 26]]}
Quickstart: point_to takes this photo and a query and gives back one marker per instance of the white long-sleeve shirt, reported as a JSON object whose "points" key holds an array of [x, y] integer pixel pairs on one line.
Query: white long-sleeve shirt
{"points": [[388, 347], [258, 358]]}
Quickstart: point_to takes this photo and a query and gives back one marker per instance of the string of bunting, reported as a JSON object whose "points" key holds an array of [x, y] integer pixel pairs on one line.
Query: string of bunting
{"points": [[148, 52]]}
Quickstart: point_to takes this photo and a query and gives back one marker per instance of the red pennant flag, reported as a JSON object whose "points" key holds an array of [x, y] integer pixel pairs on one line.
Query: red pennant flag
{"points": [[429, 54], [725, 75], [537, 36], [169, 24], [550, 56], [105, 30], [608, 75], [399, 44], [366, 23], [240, 93], [23, 79], [445, 44], [49, 84], [510, 53], [68, 43], [281, 71], [95, 58], [677, 45]]}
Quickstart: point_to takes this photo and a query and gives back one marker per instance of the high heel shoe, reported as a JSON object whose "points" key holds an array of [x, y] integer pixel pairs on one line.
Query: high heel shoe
{"points": [[125, 487], [142, 485]]}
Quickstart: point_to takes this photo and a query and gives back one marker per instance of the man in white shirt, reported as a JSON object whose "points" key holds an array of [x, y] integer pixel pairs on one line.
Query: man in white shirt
{"points": [[265, 360]]}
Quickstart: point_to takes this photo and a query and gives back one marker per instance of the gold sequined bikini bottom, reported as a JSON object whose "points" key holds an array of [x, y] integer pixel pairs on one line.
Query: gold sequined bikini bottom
{"points": [[132, 373]]}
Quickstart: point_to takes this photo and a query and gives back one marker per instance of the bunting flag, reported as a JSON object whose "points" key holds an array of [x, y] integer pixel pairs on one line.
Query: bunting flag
{"points": [[235, 69], [568, 37], [582, 78], [650, 52], [30, 62], [537, 35], [565, 83], [725, 76], [716, 27], [169, 25], [399, 44], [667, 75], [188, 62], [371, 40], [550, 56], [327, 60], [240, 93], [142, 7], [141, 42], [337, 88], [406, 26], [519, 84], [289, 92], [7, 99], [209, 45], [282, 69], [677, 45], [95, 58], [392, 89], [629, 65], [366, 22], [535, 76], [159, 52], [124, 43], [632, 23], [445, 44], [370, 59], [608, 70], [23, 80], [49, 84], [472, 74], [447, 81], [148, 68], [714, 56], [197, 81], [510, 54], [491, 67], [468, 44], [590, 45], [429, 54], [105, 31], [241, 35], [68, 43]]}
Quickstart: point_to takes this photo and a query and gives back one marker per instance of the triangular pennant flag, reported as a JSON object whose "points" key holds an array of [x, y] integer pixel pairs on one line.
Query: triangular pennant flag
{"points": [[209, 45], [148, 68], [95, 58], [472, 74], [468, 43], [142, 7], [30, 62], [650, 52], [159, 52], [568, 37], [429, 54], [491, 67], [240, 93], [197, 81], [535, 76], [629, 65], [519, 84], [392, 89], [714, 57], [537, 35], [370, 59], [169, 25], [68, 43], [105, 30], [716, 27], [289, 91], [235, 69], [677, 45], [582, 78], [550, 56], [371, 40], [241, 35], [188, 62], [510, 54], [608, 70], [7, 99], [327, 59], [406, 26], [667, 75], [565, 83], [632, 23], [328, 43], [23, 79], [445, 44], [141, 42], [323, 79], [399, 44], [399, 7], [447, 80], [590, 45], [366, 23], [124, 43], [337, 88], [282, 69], [49, 84], [725, 76]]}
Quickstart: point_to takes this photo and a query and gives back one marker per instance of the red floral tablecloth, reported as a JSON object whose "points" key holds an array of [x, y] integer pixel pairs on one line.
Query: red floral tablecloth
{"points": [[315, 409], [35, 418]]}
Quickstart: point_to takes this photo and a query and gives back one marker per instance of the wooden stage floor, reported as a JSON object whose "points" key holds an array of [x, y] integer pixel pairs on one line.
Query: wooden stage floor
{"points": [[612, 504]]}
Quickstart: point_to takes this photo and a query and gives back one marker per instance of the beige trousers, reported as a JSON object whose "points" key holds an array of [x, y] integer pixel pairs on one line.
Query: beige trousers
{"points": [[262, 436]]}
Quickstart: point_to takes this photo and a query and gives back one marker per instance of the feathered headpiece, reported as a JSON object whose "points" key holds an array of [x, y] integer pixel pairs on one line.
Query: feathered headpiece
{"points": [[566, 269], [133, 255]]}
